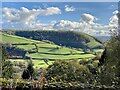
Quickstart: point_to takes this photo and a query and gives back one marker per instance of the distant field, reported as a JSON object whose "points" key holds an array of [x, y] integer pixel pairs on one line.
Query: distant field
{"points": [[60, 50], [92, 42], [16, 40], [98, 50], [49, 56], [47, 45], [37, 63], [26, 47]]}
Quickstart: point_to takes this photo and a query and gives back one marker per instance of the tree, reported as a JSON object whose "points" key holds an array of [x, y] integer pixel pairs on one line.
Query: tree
{"points": [[68, 71], [7, 68], [26, 74], [29, 72], [103, 58], [110, 69]]}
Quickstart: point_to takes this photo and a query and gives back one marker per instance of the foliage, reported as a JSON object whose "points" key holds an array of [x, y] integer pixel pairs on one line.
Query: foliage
{"points": [[20, 84], [76, 86], [110, 70], [68, 71], [29, 72], [103, 57], [7, 69]]}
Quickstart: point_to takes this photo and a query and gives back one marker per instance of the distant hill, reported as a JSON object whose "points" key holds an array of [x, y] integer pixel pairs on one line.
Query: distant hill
{"points": [[20, 47], [63, 38], [103, 38]]}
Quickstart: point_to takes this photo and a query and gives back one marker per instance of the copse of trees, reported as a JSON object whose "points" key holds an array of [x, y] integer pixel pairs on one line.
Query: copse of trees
{"points": [[68, 71]]}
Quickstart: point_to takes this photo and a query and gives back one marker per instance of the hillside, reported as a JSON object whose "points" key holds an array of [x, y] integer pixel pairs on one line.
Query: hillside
{"points": [[23, 48], [63, 38]]}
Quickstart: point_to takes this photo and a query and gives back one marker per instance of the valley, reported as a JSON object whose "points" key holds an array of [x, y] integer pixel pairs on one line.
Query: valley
{"points": [[41, 51]]}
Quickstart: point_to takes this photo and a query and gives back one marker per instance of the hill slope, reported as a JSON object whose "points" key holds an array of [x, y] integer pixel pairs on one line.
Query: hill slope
{"points": [[63, 38], [21, 49], [42, 50]]}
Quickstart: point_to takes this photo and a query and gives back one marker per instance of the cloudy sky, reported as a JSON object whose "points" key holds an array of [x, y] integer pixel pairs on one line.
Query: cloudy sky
{"points": [[92, 18]]}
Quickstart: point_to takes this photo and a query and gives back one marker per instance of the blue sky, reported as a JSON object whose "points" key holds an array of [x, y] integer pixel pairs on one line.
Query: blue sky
{"points": [[103, 11]]}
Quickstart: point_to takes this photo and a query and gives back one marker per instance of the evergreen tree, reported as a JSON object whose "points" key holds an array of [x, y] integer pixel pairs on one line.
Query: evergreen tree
{"points": [[29, 72], [7, 69], [26, 74], [103, 58]]}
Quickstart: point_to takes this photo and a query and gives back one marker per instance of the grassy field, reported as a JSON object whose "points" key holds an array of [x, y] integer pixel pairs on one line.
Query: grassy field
{"points": [[16, 40], [45, 51], [98, 50], [92, 43], [37, 63], [49, 56], [66, 38]]}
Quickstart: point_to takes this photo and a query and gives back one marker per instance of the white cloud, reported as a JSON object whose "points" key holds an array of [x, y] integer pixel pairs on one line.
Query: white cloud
{"points": [[113, 24], [25, 18], [88, 18], [114, 20], [66, 24], [116, 12], [86, 25], [69, 8]]}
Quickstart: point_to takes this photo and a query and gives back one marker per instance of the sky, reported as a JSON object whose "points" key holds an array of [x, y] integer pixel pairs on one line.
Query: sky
{"points": [[94, 18]]}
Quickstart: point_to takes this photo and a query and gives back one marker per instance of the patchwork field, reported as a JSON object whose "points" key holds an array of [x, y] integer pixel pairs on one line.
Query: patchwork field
{"points": [[43, 51]]}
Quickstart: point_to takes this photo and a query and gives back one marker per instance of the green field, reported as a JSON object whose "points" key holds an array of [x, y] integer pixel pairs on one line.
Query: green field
{"points": [[92, 43], [66, 38], [16, 40], [37, 63], [98, 50], [49, 56], [44, 50]]}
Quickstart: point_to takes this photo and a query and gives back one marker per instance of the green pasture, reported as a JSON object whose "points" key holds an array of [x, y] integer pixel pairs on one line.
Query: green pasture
{"points": [[98, 50], [16, 39], [26, 47], [52, 56], [92, 42], [46, 51], [37, 63]]}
